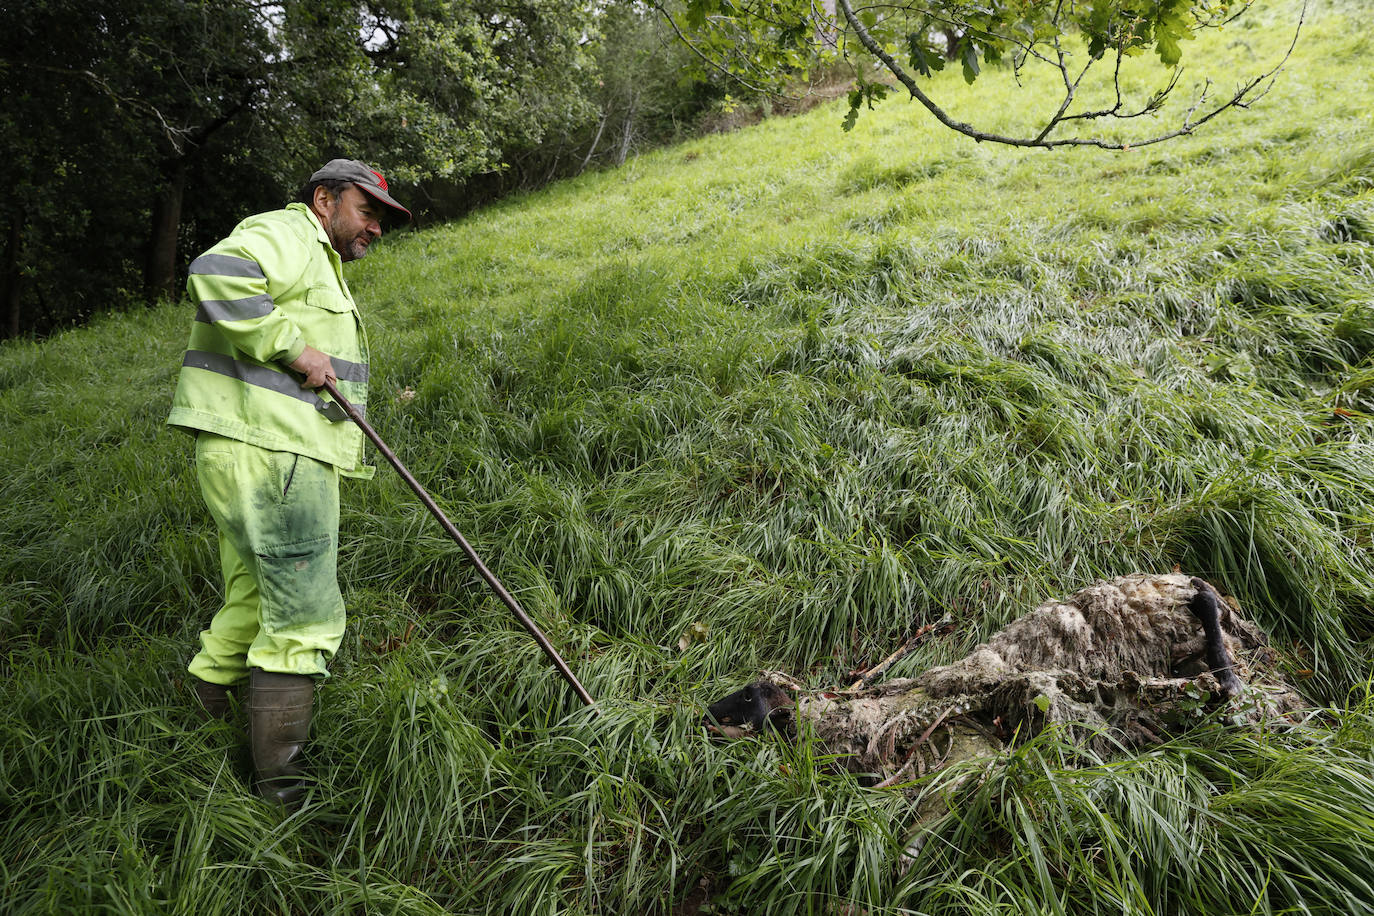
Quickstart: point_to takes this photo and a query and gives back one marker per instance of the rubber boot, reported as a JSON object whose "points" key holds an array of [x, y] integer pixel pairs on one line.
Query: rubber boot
{"points": [[279, 709], [214, 699]]}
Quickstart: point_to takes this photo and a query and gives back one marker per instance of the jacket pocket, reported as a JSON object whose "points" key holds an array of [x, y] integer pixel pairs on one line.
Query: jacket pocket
{"points": [[328, 298]]}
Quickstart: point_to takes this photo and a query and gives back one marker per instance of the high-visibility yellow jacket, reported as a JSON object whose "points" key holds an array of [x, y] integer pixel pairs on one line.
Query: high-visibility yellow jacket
{"points": [[274, 285]]}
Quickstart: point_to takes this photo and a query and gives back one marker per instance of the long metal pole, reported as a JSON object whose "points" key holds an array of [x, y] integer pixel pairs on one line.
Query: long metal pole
{"points": [[457, 535]]}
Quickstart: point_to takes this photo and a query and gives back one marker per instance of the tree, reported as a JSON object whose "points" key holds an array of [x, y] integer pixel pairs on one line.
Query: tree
{"points": [[113, 111], [626, 93], [766, 43], [640, 95]]}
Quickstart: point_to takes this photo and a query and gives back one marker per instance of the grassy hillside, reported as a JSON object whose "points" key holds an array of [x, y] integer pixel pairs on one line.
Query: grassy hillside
{"points": [[788, 393]]}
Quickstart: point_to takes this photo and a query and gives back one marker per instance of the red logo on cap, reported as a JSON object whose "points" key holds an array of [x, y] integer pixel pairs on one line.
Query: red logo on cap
{"points": [[380, 180]]}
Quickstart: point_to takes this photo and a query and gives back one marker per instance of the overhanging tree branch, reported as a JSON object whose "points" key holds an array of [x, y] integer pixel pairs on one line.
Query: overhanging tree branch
{"points": [[176, 136], [705, 58], [1246, 94]]}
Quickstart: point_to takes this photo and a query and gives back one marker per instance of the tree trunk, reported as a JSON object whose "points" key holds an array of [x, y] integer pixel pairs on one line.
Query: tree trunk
{"points": [[605, 113], [629, 130], [952, 38], [9, 280], [160, 269]]}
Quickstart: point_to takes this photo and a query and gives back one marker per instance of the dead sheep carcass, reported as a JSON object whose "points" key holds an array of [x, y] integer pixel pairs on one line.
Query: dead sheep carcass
{"points": [[1130, 661]]}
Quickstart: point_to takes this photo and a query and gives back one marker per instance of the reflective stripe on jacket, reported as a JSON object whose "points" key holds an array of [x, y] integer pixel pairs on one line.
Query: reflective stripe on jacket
{"points": [[274, 285]]}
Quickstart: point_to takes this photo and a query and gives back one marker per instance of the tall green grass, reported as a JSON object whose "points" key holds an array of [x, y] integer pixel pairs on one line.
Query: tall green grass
{"points": [[788, 393]]}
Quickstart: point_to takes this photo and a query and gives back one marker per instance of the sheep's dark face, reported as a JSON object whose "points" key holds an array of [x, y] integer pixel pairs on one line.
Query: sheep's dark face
{"points": [[748, 710]]}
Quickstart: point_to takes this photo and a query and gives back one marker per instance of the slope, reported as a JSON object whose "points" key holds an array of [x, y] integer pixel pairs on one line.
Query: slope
{"points": [[772, 399]]}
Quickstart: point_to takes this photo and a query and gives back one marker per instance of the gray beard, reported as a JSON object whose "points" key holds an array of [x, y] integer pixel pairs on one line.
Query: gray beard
{"points": [[351, 250]]}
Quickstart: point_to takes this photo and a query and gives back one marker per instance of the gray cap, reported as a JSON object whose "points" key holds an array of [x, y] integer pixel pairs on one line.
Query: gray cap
{"points": [[368, 180]]}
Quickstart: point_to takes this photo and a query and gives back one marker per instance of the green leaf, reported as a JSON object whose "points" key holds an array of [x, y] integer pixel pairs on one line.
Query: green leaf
{"points": [[1169, 31], [969, 58], [698, 11], [1167, 46], [856, 99], [925, 60], [1098, 28]]}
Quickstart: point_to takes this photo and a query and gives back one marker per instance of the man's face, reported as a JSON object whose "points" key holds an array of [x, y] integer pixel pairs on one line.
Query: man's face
{"points": [[352, 220]]}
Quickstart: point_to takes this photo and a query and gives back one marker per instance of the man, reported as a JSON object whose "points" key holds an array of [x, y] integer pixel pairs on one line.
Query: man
{"points": [[275, 321]]}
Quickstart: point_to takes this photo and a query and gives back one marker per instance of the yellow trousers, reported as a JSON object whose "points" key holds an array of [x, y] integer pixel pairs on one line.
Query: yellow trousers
{"points": [[278, 518]]}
